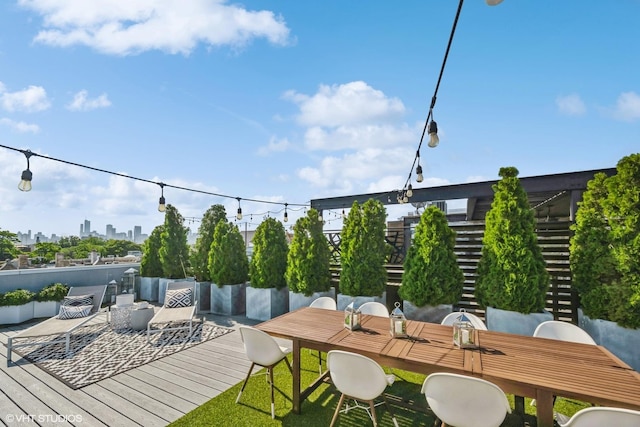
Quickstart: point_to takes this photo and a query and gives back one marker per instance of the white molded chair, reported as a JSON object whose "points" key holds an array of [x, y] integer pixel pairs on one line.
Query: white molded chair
{"points": [[604, 416], [326, 303], [358, 378], [475, 320], [462, 401], [564, 331], [264, 351], [374, 308]]}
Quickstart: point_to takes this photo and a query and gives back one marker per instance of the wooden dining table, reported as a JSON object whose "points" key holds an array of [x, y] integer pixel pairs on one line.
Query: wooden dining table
{"points": [[533, 367]]}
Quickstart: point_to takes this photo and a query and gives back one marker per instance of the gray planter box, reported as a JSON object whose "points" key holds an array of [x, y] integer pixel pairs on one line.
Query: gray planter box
{"points": [[427, 313], [298, 300], [12, 314], [265, 304], [345, 300], [149, 288], [513, 322], [622, 342], [203, 295], [228, 300], [45, 308]]}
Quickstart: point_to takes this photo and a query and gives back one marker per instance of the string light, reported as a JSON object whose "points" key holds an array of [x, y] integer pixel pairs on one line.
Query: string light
{"points": [[161, 203], [27, 175], [286, 216], [239, 215]]}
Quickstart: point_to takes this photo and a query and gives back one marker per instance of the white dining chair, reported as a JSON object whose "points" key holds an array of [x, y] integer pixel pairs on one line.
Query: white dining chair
{"points": [[604, 416], [326, 303], [477, 322], [462, 401], [374, 308], [264, 351], [360, 379], [563, 331]]}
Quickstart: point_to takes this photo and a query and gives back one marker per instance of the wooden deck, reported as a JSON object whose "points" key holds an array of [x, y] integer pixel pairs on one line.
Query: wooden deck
{"points": [[154, 394]]}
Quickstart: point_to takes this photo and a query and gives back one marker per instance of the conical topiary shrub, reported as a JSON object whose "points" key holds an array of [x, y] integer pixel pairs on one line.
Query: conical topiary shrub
{"points": [[200, 254], [228, 264], [269, 259]]}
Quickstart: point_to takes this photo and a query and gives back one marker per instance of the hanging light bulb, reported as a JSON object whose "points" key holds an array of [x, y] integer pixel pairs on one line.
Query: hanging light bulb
{"points": [[419, 176], [161, 203], [239, 215], [410, 191], [433, 134], [493, 2], [343, 213], [286, 216], [25, 179], [405, 199]]}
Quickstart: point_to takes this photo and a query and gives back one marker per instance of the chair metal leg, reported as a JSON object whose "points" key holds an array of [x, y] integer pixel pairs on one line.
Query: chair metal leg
{"points": [[273, 411], [244, 384], [393, 417], [9, 349], [319, 362], [373, 413], [335, 414]]}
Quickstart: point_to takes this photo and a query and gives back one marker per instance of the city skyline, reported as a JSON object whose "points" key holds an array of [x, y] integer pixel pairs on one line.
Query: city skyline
{"points": [[135, 235], [293, 101]]}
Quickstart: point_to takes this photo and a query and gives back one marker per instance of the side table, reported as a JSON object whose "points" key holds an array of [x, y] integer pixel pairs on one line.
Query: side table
{"points": [[121, 317], [140, 318]]}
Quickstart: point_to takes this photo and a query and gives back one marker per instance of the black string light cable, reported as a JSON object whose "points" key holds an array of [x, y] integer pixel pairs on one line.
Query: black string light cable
{"points": [[25, 183], [429, 124]]}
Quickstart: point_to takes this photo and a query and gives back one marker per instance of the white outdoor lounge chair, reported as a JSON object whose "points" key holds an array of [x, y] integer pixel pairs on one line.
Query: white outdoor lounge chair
{"points": [[178, 310], [57, 326]]}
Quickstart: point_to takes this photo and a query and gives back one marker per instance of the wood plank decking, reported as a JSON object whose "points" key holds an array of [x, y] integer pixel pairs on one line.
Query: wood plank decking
{"points": [[154, 394]]}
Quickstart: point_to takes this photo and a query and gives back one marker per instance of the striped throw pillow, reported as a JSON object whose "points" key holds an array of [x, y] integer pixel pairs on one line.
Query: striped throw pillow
{"points": [[175, 298], [78, 300], [74, 311]]}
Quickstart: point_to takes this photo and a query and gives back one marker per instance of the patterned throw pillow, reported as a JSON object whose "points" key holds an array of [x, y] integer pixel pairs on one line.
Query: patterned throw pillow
{"points": [[78, 300], [74, 311], [175, 298]]}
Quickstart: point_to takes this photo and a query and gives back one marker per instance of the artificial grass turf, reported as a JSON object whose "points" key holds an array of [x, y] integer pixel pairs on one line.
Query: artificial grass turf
{"points": [[254, 409]]}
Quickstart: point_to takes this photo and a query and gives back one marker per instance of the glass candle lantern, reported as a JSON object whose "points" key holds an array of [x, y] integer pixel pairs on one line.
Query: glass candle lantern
{"points": [[464, 335], [398, 327], [351, 318]]}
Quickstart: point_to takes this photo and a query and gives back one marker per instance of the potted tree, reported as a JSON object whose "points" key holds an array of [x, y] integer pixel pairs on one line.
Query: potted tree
{"points": [[16, 306], [267, 293], [432, 280], [200, 253], [604, 260], [151, 265], [229, 270], [512, 280], [47, 301], [308, 275], [363, 252], [174, 250]]}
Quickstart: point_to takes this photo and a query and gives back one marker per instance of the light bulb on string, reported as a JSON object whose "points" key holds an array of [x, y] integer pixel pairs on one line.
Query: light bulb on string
{"points": [[410, 191], [239, 214], [27, 175], [162, 206], [433, 134], [286, 216]]}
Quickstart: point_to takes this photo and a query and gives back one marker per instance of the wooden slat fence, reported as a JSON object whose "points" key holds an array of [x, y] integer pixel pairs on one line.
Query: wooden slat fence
{"points": [[553, 238]]}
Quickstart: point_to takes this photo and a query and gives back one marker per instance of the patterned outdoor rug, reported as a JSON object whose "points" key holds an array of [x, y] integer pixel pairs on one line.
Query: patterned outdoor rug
{"points": [[98, 352]]}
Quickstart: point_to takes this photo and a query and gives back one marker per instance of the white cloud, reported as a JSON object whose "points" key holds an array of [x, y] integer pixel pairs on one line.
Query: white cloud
{"points": [[571, 105], [20, 127], [628, 107], [274, 145], [353, 103], [29, 100], [134, 26], [82, 103]]}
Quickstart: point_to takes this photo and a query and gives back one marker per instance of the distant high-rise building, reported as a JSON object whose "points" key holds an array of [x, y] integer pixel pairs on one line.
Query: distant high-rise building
{"points": [[81, 230], [87, 227], [137, 233], [110, 231]]}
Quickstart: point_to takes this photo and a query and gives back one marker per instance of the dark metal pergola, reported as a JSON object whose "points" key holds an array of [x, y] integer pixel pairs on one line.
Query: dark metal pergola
{"points": [[554, 196]]}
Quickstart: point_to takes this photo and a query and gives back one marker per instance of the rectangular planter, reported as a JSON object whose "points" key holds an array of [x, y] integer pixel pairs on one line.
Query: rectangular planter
{"points": [[228, 300], [203, 295], [513, 322], [45, 308], [297, 300], [345, 300], [265, 304], [427, 313], [149, 288], [12, 314]]}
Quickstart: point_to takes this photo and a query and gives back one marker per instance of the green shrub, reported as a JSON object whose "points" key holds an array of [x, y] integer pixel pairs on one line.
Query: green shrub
{"points": [[150, 265], [17, 297], [511, 272], [269, 259], [605, 247], [309, 257], [174, 251], [364, 250], [228, 264], [200, 253], [52, 292], [431, 272]]}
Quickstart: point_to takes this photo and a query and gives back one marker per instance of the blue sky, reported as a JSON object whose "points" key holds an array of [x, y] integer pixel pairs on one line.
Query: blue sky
{"points": [[291, 101]]}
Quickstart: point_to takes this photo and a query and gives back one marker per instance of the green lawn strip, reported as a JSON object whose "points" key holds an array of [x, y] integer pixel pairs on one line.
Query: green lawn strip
{"points": [[254, 408]]}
